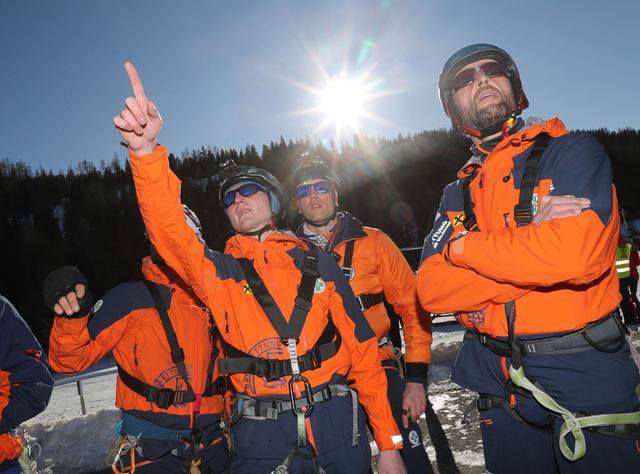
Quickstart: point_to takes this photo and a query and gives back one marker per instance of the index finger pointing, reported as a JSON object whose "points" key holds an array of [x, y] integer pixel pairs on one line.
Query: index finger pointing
{"points": [[136, 83]]}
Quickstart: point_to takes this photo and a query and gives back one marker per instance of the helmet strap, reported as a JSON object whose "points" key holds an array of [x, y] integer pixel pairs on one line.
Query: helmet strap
{"points": [[271, 225], [503, 127]]}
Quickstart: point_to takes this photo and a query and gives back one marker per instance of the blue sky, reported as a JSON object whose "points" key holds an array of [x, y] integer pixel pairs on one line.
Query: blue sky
{"points": [[231, 73]]}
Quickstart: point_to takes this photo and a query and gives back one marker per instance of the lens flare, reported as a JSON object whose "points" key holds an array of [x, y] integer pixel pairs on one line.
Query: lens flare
{"points": [[343, 102]]}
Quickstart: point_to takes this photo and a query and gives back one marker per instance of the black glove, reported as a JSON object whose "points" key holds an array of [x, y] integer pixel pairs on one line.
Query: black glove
{"points": [[63, 281]]}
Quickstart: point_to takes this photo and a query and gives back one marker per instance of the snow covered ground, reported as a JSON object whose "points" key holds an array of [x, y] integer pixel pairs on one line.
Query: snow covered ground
{"points": [[73, 443]]}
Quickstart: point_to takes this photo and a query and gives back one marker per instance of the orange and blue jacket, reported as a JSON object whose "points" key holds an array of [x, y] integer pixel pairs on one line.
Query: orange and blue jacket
{"points": [[379, 266], [25, 381], [219, 281], [561, 273], [126, 322]]}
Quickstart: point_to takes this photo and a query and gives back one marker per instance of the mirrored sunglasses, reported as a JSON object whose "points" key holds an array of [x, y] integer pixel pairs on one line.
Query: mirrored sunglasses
{"points": [[321, 187], [246, 190]]}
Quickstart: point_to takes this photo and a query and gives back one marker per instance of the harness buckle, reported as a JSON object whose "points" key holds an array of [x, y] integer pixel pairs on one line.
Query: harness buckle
{"points": [[314, 358], [270, 372], [348, 272], [164, 398], [522, 214], [308, 397], [363, 308]]}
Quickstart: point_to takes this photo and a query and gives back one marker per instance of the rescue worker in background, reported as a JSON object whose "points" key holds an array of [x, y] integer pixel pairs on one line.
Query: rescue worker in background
{"points": [[376, 270], [522, 250], [25, 383], [634, 261], [623, 267], [163, 341], [290, 326]]}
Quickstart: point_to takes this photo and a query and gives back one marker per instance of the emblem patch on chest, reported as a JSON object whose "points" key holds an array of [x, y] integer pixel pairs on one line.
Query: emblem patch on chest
{"points": [[320, 286]]}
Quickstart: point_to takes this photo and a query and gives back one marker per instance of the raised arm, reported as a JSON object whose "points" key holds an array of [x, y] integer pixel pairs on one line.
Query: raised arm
{"points": [[158, 191]]}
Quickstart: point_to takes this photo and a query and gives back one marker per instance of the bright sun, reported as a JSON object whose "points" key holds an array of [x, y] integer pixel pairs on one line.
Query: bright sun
{"points": [[342, 102]]}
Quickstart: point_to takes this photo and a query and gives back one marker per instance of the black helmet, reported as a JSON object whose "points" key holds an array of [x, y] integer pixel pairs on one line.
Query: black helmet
{"points": [[233, 174], [312, 167], [467, 55]]}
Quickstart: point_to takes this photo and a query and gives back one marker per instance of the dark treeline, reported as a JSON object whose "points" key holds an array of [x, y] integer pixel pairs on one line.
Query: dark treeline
{"points": [[88, 216]]}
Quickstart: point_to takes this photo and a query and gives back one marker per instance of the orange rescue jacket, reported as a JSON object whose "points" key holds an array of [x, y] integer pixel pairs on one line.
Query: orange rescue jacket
{"points": [[219, 281], [378, 266], [561, 273], [126, 322]]}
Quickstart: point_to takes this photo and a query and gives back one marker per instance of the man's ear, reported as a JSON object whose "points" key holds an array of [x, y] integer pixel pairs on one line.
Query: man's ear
{"points": [[336, 199]]}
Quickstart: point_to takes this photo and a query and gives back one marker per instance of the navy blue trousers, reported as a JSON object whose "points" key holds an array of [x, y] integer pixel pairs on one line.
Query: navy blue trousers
{"points": [[511, 446], [262, 445]]}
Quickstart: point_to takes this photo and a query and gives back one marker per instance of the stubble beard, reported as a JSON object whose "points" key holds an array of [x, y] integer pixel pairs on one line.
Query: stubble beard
{"points": [[489, 115]]}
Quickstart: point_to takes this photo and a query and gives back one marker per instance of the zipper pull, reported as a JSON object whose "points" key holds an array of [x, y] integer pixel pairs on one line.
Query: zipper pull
{"points": [[506, 219]]}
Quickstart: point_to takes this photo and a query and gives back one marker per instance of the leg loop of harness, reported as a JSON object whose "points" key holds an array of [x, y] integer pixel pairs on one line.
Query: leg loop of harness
{"points": [[573, 423]]}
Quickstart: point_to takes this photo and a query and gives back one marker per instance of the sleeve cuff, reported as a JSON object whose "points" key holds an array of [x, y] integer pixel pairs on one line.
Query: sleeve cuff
{"points": [[143, 165], [417, 372]]}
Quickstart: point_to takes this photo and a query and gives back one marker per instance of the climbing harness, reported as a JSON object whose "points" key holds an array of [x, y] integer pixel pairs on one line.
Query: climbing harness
{"points": [[301, 401], [599, 335], [165, 397]]}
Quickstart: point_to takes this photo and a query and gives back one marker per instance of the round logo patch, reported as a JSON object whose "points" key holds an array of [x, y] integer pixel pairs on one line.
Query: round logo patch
{"points": [[97, 306], [414, 439], [319, 286]]}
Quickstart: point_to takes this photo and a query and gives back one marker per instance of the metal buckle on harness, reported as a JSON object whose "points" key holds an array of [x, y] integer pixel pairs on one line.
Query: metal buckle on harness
{"points": [[522, 214], [269, 369], [308, 397], [164, 398], [363, 308], [348, 272]]}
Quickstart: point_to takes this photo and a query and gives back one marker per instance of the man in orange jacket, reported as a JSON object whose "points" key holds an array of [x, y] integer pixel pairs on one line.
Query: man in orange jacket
{"points": [[376, 270], [290, 325], [163, 340], [522, 251]]}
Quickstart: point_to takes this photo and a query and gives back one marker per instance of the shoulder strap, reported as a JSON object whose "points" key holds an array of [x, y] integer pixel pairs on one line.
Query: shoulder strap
{"points": [[302, 305], [348, 257], [177, 354], [470, 223], [522, 212]]}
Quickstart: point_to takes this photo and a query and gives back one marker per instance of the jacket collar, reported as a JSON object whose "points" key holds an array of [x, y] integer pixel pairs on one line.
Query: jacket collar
{"points": [[523, 131], [241, 246], [347, 228]]}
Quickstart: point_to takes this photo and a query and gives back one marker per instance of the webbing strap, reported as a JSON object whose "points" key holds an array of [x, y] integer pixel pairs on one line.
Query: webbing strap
{"points": [[572, 424], [348, 258], [522, 212], [237, 361], [162, 397], [470, 222], [177, 354], [302, 305]]}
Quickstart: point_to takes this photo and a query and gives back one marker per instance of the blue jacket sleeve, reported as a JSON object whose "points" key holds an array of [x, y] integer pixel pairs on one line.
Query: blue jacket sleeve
{"points": [[23, 368]]}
